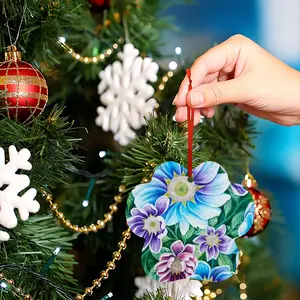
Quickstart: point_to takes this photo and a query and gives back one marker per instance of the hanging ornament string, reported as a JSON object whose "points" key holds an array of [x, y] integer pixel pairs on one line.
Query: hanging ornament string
{"points": [[19, 29], [190, 120]]}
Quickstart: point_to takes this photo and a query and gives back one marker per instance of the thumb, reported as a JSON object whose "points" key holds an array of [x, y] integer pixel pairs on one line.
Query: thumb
{"points": [[212, 94]]}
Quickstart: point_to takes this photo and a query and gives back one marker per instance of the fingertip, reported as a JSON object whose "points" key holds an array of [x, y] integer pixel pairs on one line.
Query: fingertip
{"points": [[208, 112], [181, 114], [180, 118], [179, 100], [182, 93]]}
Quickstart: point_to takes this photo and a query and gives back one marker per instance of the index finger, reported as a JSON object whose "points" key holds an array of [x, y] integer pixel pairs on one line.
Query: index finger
{"points": [[214, 60]]}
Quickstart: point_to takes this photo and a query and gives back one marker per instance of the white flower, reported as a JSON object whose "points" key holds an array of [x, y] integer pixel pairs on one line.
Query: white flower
{"points": [[184, 289]]}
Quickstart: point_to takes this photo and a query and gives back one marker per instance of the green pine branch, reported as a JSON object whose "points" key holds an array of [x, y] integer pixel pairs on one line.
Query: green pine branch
{"points": [[140, 24], [226, 139], [50, 143], [262, 278], [164, 141], [31, 245], [71, 197], [159, 295], [43, 23]]}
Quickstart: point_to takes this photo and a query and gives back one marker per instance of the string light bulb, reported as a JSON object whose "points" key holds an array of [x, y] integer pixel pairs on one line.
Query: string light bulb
{"points": [[56, 251], [161, 87], [8, 284], [206, 291], [102, 154], [243, 291], [85, 203], [180, 57], [178, 50], [3, 285], [62, 39], [243, 286], [173, 65], [219, 291], [163, 82], [108, 296], [50, 261]]}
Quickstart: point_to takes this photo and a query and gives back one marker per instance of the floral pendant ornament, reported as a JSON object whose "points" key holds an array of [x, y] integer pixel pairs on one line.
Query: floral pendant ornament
{"points": [[190, 227]]}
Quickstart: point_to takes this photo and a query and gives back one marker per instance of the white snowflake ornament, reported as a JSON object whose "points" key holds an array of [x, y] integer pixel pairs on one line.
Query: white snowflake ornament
{"points": [[11, 185], [185, 289], [125, 92]]}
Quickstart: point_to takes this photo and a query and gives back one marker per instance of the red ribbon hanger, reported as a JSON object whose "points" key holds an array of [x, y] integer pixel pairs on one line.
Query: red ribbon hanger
{"points": [[190, 121]]}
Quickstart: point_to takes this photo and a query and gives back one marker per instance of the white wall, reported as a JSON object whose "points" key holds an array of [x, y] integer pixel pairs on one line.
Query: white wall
{"points": [[280, 25], [279, 22]]}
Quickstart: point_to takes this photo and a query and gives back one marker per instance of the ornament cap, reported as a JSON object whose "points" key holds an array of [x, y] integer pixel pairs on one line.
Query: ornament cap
{"points": [[12, 53], [249, 181]]}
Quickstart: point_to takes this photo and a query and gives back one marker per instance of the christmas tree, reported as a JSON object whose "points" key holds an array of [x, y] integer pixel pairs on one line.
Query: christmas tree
{"points": [[72, 160]]}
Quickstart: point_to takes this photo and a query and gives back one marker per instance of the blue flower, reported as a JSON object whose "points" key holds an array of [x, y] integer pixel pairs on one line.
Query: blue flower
{"points": [[205, 272], [248, 220], [191, 203], [233, 249]]}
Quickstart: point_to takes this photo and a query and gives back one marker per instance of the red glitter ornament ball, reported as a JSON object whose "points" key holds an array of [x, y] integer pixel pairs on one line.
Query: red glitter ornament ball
{"points": [[100, 3], [26, 90], [262, 214]]}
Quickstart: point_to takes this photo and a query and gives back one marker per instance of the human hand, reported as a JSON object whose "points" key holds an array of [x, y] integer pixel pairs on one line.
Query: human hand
{"points": [[240, 72]]}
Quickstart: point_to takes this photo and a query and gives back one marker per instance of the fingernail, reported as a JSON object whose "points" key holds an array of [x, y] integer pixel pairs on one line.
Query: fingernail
{"points": [[174, 118], [197, 99], [175, 99]]}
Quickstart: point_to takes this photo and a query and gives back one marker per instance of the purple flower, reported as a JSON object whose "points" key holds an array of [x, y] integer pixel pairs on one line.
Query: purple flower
{"points": [[147, 223], [239, 189], [179, 264], [213, 242]]}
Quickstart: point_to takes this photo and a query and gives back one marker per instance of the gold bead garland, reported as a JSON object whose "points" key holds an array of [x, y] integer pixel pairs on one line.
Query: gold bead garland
{"points": [[122, 245], [91, 59], [100, 224], [111, 265]]}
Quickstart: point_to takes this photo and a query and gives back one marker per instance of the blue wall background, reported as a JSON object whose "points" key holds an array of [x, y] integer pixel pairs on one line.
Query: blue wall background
{"points": [[277, 165]]}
